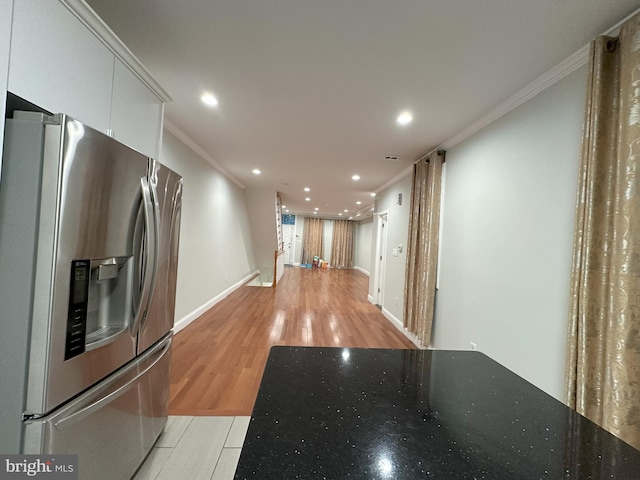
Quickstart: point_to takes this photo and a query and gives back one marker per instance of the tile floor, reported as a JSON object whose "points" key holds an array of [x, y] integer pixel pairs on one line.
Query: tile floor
{"points": [[197, 448]]}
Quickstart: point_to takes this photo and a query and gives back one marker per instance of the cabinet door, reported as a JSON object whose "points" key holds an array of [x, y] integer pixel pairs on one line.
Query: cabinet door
{"points": [[136, 113], [58, 64]]}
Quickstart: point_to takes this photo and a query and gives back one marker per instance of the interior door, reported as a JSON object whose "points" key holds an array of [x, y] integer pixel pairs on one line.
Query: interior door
{"points": [[287, 237], [380, 264]]}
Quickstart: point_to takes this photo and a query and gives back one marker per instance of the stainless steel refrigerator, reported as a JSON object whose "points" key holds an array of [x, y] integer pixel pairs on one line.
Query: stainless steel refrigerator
{"points": [[89, 233]]}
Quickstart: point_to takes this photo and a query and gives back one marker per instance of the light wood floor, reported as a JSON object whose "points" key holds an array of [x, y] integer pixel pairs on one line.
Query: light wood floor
{"points": [[218, 360]]}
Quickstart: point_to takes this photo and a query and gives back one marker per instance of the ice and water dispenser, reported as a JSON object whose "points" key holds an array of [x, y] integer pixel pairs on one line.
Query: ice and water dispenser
{"points": [[99, 303]]}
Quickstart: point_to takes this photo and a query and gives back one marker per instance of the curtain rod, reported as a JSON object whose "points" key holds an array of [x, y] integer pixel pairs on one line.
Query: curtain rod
{"points": [[438, 151]]}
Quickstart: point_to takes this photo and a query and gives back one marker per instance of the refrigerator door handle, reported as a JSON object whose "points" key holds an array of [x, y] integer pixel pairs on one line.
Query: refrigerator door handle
{"points": [[149, 254], [153, 194], [75, 417]]}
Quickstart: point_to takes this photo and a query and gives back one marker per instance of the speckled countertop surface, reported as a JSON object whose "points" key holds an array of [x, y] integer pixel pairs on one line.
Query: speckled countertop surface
{"points": [[401, 414]]}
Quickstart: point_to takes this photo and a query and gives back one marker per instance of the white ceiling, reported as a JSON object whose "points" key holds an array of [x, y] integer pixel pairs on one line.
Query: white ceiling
{"points": [[309, 89]]}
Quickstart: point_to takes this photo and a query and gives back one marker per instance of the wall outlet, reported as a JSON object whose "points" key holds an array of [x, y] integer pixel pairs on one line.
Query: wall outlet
{"points": [[474, 347]]}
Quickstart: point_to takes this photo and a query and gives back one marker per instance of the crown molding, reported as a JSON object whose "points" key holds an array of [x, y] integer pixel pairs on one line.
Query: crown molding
{"points": [[571, 64], [400, 175], [102, 31], [544, 81], [189, 142]]}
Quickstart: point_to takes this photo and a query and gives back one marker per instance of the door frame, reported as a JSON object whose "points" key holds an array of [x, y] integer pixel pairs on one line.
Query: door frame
{"points": [[380, 258], [290, 251]]}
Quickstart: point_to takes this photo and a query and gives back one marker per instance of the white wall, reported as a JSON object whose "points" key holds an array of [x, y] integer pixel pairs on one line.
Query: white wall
{"points": [[507, 236], [362, 254], [13, 348], [261, 204], [6, 12], [397, 234], [216, 249]]}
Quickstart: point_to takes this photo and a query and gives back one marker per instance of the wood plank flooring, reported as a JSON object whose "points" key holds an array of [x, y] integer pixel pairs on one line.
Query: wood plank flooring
{"points": [[219, 359]]}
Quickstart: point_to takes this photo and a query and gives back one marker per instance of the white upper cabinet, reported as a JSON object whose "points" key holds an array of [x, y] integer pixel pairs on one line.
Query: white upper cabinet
{"points": [[64, 59], [59, 64], [136, 112]]}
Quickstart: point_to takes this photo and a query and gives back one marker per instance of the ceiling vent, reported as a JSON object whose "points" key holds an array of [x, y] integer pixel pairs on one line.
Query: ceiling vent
{"points": [[393, 158]]}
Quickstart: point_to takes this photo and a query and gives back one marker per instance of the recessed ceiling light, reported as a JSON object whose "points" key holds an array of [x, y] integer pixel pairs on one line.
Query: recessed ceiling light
{"points": [[358, 202], [340, 214], [256, 171], [405, 118], [355, 177], [209, 100], [315, 213], [287, 211], [357, 214], [307, 189], [308, 199], [345, 210], [373, 194], [316, 209], [284, 206]]}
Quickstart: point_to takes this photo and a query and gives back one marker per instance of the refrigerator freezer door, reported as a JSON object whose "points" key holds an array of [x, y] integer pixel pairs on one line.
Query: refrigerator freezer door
{"points": [[112, 426], [159, 319]]}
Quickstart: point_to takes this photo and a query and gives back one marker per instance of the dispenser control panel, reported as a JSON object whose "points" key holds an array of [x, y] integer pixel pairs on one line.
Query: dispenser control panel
{"points": [[78, 302]]}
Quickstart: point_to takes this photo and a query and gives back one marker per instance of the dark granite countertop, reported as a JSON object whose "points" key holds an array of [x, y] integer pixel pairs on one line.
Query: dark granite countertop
{"points": [[401, 414]]}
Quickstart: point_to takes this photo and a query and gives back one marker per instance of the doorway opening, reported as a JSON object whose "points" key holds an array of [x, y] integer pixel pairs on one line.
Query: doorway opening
{"points": [[380, 260]]}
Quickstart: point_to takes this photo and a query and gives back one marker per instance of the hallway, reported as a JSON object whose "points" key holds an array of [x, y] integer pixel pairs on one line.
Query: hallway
{"points": [[218, 360]]}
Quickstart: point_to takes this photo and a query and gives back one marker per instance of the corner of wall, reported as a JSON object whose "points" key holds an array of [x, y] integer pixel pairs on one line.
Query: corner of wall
{"points": [[398, 324]]}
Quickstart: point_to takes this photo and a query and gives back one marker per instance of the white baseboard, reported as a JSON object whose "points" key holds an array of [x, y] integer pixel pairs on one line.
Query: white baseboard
{"points": [[370, 298], [187, 319], [398, 324], [360, 269]]}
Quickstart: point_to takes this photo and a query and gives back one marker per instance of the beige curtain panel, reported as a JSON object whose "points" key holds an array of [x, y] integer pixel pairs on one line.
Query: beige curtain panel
{"points": [[422, 250], [603, 355], [312, 242], [342, 244]]}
